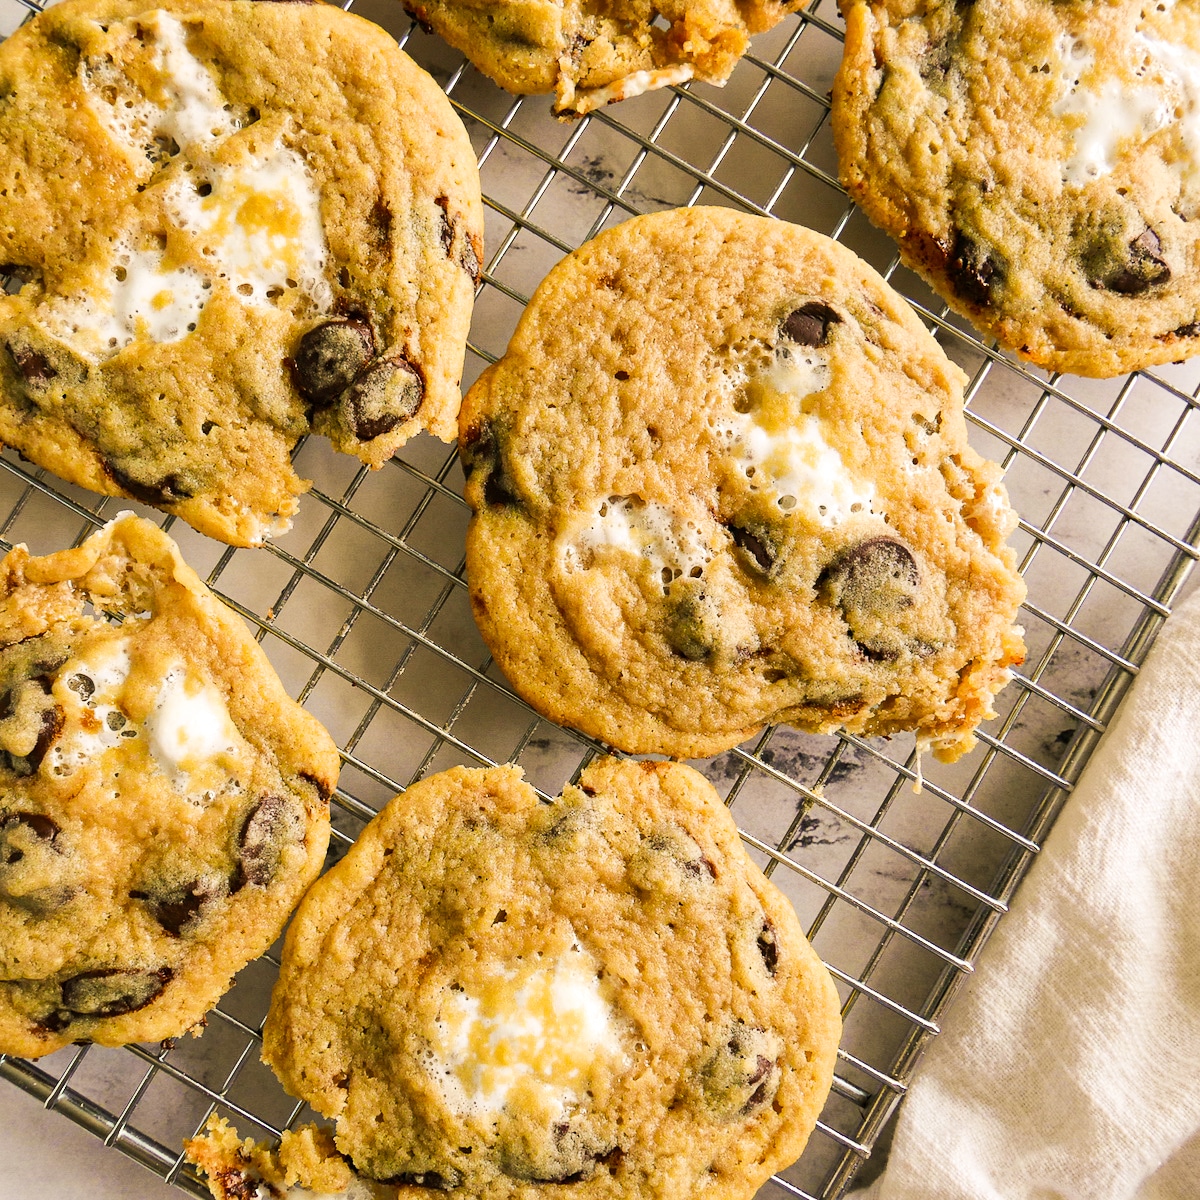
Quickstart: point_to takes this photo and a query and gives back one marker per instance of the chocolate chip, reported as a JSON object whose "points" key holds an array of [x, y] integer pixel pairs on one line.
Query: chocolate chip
{"points": [[870, 583], [972, 270], [469, 256], [667, 858], [161, 492], [481, 451], [1144, 269], [758, 554], [742, 1075], [271, 824], [384, 395], [323, 789], [32, 366], [768, 947], [809, 324], [47, 715], [113, 991], [330, 357], [235, 1184], [177, 908], [687, 629], [37, 825]]}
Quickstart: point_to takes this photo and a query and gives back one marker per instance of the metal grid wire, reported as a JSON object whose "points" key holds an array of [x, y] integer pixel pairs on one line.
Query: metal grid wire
{"points": [[363, 610]]}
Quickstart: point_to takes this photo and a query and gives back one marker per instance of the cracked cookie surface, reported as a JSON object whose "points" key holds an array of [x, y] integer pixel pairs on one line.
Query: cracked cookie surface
{"points": [[231, 223], [721, 478], [163, 802], [591, 54], [492, 994], [1037, 163]]}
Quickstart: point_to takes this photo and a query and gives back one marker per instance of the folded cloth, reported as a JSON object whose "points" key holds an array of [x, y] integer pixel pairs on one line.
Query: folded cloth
{"points": [[1069, 1066]]}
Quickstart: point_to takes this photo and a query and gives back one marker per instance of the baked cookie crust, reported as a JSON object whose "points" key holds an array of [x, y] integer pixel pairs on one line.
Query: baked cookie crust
{"points": [[492, 994], [721, 478], [235, 223], [1038, 163], [163, 801]]}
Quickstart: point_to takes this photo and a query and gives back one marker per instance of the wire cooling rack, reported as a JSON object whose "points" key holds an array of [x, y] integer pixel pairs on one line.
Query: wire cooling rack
{"points": [[363, 610]]}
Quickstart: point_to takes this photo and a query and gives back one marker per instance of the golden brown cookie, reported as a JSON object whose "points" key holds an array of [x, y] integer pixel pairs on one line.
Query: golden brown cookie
{"points": [[163, 802], [234, 222], [721, 478], [492, 993], [590, 55], [1038, 162]]}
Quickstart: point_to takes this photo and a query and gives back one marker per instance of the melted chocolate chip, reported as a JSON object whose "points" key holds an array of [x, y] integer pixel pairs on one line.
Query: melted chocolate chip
{"points": [[1144, 268], [179, 907], [768, 947], [32, 366], [741, 1076], [113, 991], [809, 324], [384, 395], [759, 555], [330, 357], [233, 1183], [687, 631], [38, 824], [481, 452], [971, 269], [323, 789], [165, 491], [269, 826], [870, 583]]}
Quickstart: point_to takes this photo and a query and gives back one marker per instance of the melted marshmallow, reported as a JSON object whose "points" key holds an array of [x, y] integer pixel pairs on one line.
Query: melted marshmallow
{"points": [[785, 454], [539, 1028], [189, 729], [259, 226], [1112, 112], [89, 690], [140, 299], [173, 98], [649, 529]]}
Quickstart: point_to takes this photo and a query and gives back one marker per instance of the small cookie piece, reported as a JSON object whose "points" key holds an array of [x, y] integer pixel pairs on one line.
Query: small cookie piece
{"points": [[306, 1162], [163, 802], [491, 992], [591, 55], [233, 223], [721, 478], [1038, 163]]}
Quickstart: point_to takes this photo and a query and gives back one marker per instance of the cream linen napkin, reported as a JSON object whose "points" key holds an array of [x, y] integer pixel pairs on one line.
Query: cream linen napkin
{"points": [[1069, 1066]]}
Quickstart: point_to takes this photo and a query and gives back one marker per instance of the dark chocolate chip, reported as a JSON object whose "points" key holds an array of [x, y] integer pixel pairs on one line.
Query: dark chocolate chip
{"points": [[54, 1022], [381, 220], [687, 631], [32, 366], [759, 555], [1144, 269], [768, 947], [809, 324], [741, 1075], [384, 395], [481, 451], [877, 575], [177, 908], [82, 686], [323, 789], [235, 1184], [700, 868], [270, 825], [330, 357], [113, 991], [38, 824], [165, 491], [972, 270]]}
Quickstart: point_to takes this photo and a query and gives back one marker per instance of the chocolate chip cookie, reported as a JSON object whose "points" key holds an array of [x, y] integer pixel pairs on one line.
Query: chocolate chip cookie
{"points": [[231, 223], [163, 803], [592, 54], [1038, 162], [721, 478], [492, 993]]}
